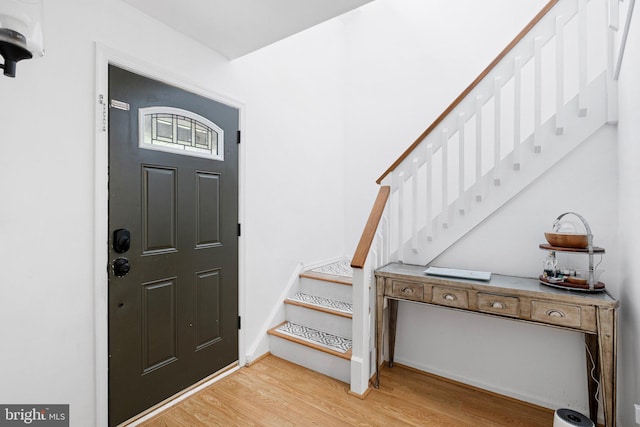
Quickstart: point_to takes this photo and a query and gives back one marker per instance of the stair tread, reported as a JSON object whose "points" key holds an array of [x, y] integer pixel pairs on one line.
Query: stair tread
{"points": [[323, 341], [327, 277], [328, 305], [336, 272]]}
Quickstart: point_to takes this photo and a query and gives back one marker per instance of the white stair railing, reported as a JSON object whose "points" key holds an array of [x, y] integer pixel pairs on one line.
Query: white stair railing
{"points": [[493, 126]]}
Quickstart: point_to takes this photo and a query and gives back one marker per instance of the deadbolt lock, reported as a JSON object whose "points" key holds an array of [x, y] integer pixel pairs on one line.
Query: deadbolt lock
{"points": [[121, 240]]}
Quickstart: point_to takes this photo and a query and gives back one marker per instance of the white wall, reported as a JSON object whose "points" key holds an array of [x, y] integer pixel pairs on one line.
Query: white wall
{"points": [[46, 220], [629, 289], [407, 61], [294, 197], [292, 188]]}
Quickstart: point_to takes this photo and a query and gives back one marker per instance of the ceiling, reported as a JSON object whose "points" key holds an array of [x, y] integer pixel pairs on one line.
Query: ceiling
{"points": [[237, 27]]}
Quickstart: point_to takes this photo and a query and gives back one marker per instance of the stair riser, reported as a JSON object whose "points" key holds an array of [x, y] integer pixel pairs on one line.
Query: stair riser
{"points": [[326, 322], [315, 360], [325, 289]]}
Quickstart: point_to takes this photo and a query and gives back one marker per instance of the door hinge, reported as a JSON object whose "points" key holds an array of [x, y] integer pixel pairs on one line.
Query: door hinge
{"points": [[239, 230], [239, 322], [239, 133]]}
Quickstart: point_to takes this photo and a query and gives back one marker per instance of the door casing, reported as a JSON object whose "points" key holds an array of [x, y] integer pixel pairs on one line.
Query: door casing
{"points": [[104, 56]]}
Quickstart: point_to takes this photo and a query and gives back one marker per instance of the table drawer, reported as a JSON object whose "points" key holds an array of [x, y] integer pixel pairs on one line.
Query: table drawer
{"points": [[406, 290], [556, 313], [499, 304], [450, 297]]}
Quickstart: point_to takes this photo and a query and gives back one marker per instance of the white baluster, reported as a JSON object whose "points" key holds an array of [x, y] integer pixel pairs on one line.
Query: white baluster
{"points": [[386, 247], [429, 189], [612, 86], [517, 102], [559, 75], [614, 15], [621, 47], [373, 254], [414, 206], [461, 165], [582, 56], [445, 178], [478, 183], [400, 220], [537, 91], [497, 86]]}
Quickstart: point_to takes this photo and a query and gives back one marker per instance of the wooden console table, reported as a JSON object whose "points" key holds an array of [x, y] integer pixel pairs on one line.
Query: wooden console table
{"points": [[516, 298]]}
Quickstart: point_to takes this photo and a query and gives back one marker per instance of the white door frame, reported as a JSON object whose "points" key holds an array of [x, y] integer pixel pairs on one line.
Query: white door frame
{"points": [[105, 56]]}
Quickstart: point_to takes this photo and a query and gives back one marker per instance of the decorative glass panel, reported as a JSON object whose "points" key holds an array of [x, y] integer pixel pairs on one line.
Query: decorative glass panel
{"points": [[180, 131]]}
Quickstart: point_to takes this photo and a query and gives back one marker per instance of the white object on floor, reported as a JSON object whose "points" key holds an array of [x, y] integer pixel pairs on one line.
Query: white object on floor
{"points": [[462, 274], [568, 418]]}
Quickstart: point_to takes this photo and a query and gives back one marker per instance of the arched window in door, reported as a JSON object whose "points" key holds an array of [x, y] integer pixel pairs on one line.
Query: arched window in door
{"points": [[180, 131]]}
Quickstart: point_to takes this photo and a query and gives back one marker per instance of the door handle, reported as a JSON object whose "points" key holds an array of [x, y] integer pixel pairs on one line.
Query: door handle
{"points": [[121, 267]]}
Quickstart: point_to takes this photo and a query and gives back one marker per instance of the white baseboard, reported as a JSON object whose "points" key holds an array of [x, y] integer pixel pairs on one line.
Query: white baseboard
{"points": [[535, 400]]}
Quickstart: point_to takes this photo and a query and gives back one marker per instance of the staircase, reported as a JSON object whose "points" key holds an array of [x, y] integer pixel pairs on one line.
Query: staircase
{"points": [[546, 93], [543, 96], [317, 331]]}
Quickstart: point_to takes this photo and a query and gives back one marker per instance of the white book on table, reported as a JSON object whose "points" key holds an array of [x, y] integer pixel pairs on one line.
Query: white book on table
{"points": [[459, 273]]}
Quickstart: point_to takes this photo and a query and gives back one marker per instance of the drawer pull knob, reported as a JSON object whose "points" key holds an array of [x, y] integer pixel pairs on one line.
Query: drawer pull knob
{"points": [[407, 291], [498, 304], [555, 313], [449, 297]]}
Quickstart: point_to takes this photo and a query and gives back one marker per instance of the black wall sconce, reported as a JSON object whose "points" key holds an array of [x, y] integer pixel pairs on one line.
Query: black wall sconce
{"points": [[20, 32]]}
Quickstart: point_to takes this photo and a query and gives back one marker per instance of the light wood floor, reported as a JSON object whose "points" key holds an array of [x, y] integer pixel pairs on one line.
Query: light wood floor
{"points": [[274, 392]]}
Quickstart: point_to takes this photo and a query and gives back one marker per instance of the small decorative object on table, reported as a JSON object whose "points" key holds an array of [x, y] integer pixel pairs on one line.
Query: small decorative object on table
{"points": [[565, 239]]}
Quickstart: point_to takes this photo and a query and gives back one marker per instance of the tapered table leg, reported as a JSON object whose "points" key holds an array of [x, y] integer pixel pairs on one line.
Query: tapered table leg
{"points": [[607, 341], [393, 321]]}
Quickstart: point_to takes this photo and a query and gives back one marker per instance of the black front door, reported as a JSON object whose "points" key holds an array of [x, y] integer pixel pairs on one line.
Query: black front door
{"points": [[173, 245]]}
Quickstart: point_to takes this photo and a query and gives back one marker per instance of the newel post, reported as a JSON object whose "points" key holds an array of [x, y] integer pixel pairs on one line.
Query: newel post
{"points": [[364, 261], [360, 358]]}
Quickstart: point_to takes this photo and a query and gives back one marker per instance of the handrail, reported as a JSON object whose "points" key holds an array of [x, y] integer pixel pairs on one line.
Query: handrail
{"points": [[469, 88], [360, 255]]}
